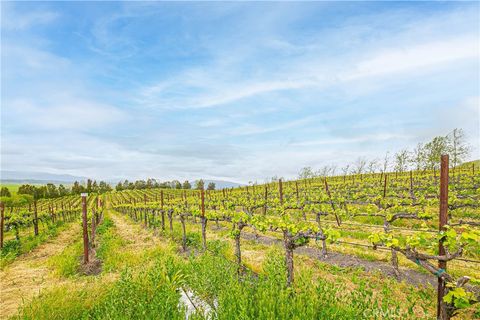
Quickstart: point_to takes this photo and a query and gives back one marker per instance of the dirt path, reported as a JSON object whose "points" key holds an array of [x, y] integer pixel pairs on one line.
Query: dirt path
{"points": [[137, 237], [344, 260], [29, 274], [410, 276]]}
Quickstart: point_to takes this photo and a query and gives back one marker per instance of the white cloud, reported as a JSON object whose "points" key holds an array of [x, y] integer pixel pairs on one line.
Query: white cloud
{"points": [[15, 21], [212, 87], [62, 113], [82, 131], [416, 58], [371, 138]]}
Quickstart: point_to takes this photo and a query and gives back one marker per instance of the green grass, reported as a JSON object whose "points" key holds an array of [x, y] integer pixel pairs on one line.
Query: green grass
{"points": [[152, 292], [65, 264], [150, 279], [12, 187], [13, 248]]}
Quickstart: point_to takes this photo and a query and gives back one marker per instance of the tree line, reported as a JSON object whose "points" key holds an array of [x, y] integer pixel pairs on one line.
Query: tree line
{"points": [[152, 183], [50, 190], [425, 156]]}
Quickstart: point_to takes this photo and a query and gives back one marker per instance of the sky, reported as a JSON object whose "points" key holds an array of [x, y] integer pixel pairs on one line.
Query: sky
{"points": [[237, 91]]}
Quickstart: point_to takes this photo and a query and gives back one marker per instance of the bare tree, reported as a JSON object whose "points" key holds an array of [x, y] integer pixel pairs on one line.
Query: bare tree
{"points": [[386, 159], [360, 165], [323, 172], [306, 173], [458, 147], [333, 169], [402, 158], [345, 169], [418, 157], [373, 165]]}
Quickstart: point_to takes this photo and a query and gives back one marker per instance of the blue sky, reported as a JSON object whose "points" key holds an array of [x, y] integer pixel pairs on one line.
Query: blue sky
{"points": [[234, 91]]}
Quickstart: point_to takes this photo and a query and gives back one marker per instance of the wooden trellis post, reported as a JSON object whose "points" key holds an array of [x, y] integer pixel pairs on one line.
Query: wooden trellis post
{"points": [[85, 227], [443, 220], [35, 218], [204, 222], [385, 186], [2, 216], [280, 190]]}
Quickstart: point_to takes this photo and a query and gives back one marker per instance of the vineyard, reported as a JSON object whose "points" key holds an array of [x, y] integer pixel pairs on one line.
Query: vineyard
{"points": [[399, 245]]}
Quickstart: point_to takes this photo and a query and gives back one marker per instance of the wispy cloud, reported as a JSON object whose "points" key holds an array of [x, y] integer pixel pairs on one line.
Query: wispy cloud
{"points": [[416, 58], [238, 91], [17, 21]]}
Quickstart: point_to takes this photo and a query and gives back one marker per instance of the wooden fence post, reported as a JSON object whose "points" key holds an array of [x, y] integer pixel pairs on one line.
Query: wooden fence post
{"points": [[385, 186], [266, 197], [93, 229], [412, 193], [280, 190], [163, 212], [35, 218], [85, 228], [204, 222], [443, 220], [2, 216]]}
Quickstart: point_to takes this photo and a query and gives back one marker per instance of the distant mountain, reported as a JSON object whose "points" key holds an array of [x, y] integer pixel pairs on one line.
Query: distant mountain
{"points": [[21, 177], [220, 184], [37, 177]]}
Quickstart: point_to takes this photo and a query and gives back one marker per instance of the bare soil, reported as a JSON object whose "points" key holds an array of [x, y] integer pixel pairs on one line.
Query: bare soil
{"points": [[348, 261], [24, 278]]}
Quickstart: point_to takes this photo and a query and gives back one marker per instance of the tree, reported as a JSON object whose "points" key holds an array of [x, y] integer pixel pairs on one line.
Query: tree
{"points": [[89, 185], [176, 184], [418, 158], [385, 162], [104, 187], [26, 189], [40, 192], [458, 147], [333, 169], [164, 185], [4, 192], [95, 186], [211, 186], [119, 187], [150, 183], [373, 166], [199, 184], [323, 172], [305, 173], [140, 184], [187, 185], [402, 159], [62, 191], [345, 169], [360, 165], [434, 150], [51, 191], [76, 187]]}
